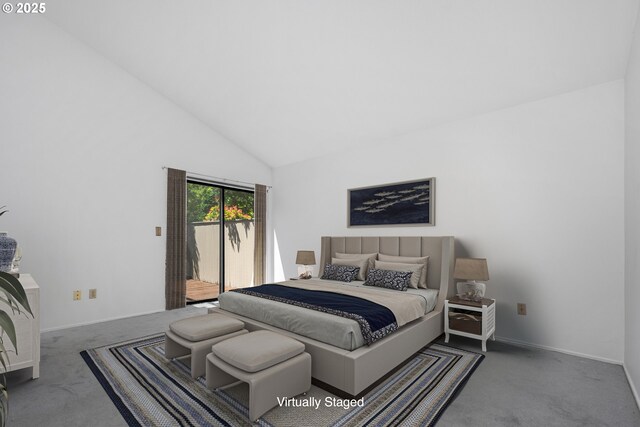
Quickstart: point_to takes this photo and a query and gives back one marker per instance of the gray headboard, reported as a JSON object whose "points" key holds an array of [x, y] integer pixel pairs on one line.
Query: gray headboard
{"points": [[440, 250]]}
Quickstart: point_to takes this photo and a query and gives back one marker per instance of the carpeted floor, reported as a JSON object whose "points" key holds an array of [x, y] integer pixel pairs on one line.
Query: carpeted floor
{"points": [[513, 386], [148, 389]]}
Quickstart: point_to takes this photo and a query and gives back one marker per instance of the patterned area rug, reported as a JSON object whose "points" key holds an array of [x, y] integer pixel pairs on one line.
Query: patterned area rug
{"points": [[149, 390]]}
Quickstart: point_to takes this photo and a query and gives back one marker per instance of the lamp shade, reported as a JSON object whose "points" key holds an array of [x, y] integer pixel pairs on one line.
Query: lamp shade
{"points": [[471, 269], [306, 258]]}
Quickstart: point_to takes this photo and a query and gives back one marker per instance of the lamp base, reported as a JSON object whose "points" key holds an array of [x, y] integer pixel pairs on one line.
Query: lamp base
{"points": [[304, 272], [471, 291]]}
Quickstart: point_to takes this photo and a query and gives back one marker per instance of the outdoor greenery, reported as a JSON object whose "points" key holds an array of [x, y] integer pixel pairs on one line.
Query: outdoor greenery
{"points": [[203, 204]]}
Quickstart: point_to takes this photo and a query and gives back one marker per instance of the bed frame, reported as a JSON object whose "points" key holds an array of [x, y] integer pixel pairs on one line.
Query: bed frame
{"points": [[352, 372]]}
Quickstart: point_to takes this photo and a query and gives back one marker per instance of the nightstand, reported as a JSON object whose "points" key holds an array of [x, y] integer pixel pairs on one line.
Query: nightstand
{"points": [[472, 319]]}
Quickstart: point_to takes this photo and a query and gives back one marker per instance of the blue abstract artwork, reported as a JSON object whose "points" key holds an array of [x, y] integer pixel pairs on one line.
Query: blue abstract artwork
{"points": [[402, 203]]}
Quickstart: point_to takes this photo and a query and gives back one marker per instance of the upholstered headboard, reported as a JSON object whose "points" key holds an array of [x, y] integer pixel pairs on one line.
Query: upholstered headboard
{"points": [[440, 250]]}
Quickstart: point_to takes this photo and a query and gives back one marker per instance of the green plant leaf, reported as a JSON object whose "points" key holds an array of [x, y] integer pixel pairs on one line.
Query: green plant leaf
{"points": [[4, 402], [15, 297], [4, 359], [7, 326], [10, 301], [12, 288]]}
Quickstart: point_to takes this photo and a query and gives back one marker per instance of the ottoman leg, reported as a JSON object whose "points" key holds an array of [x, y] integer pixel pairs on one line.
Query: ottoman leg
{"points": [[199, 360], [172, 349], [216, 377], [288, 379]]}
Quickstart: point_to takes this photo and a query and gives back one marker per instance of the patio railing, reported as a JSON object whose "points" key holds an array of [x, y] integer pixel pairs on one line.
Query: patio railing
{"points": [[203, 252]]}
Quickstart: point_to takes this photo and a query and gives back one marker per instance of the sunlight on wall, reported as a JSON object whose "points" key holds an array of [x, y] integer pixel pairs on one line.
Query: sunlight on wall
{"points": [[278, 269]]}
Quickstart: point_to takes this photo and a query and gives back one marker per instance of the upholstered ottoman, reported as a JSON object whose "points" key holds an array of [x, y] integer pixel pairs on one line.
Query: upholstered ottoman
{"points": [[196, 335], [273, 365]]}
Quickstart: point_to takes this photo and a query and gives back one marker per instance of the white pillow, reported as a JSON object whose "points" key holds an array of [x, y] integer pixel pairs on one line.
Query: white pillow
{"points": [[362, 263], [424, 261], [415, 269]]}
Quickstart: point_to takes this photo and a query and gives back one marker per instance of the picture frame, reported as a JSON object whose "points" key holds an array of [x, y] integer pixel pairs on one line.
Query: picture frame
{"points": [[407, 203]]}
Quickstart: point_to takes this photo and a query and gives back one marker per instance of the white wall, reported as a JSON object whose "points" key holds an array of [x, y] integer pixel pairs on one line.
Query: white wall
{"points": [[82, 146], [537, 189], [632, 215]]}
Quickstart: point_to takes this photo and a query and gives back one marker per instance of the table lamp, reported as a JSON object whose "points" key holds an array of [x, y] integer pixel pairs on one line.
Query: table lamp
{"points": [[305, 258], [471, 269]]}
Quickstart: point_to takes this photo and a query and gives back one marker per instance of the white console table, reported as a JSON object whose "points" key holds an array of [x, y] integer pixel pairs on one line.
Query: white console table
{"points": [[27, 331]]}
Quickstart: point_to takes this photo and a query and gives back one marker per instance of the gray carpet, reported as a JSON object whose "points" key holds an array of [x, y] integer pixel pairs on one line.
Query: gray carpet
{"points": [[512, 387]]}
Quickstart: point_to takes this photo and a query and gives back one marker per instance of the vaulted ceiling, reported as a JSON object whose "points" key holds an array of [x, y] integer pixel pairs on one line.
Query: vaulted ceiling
{"points": [[289, 80]]}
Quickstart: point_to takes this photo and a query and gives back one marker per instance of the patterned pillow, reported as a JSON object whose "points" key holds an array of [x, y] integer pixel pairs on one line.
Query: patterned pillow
{"points": [[416, 269], [424, 261], [363, 264], [390, 279], [343, 273], [369, 257]]}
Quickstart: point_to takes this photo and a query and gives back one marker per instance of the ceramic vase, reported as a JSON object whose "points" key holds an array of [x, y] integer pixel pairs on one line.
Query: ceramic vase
{"points": [[7, 251]]}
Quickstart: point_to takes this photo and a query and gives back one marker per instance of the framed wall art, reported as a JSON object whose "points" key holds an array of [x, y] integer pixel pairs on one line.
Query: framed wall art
{"points": [[400, 203]]}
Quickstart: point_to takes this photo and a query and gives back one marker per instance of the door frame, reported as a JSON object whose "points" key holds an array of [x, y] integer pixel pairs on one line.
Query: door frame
{"points": [[222, 187]]}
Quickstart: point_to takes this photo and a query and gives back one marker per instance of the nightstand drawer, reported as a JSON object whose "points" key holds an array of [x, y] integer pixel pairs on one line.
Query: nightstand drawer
{"points": [[469, 323]]}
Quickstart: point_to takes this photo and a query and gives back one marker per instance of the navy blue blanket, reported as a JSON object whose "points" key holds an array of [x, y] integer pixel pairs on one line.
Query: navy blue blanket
{"points": [[376, 321]]}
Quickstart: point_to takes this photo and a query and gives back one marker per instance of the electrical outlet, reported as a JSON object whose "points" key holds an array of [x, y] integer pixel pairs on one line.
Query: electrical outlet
{"points": [[522, 309], [158, 231], [77, 295], [93, 293]]}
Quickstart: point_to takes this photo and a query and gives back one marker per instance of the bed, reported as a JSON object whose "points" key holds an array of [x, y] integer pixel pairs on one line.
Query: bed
{"points": [[340, 358]]}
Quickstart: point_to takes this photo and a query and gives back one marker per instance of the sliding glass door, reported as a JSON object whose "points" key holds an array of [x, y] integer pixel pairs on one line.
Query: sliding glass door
{"points": [[239, 239], [220, 240]]}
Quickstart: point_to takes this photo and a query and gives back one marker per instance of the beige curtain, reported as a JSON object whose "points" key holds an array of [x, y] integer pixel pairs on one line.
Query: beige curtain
{"points": [[260, 220], [176, 262]]}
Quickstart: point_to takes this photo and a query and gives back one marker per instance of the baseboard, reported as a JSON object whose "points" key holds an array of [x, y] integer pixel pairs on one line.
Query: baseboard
{"points": [[93, 322], [559, 350], [632, 385]]}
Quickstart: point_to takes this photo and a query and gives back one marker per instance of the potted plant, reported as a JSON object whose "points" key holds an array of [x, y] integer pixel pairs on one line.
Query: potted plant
{"points": [[13, 296], [7, 247]]}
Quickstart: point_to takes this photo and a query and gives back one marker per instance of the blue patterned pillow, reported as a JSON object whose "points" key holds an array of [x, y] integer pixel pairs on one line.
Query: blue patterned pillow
{"points": [[396, 280], [343, 273]]}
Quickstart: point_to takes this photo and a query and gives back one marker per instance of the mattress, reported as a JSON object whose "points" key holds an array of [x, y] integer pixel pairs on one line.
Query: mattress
{"points": [[334, 330]]}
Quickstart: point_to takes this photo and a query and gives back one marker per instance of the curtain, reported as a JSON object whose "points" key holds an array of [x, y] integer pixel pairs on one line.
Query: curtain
{"points": [[260, 220], [176, 262]]}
